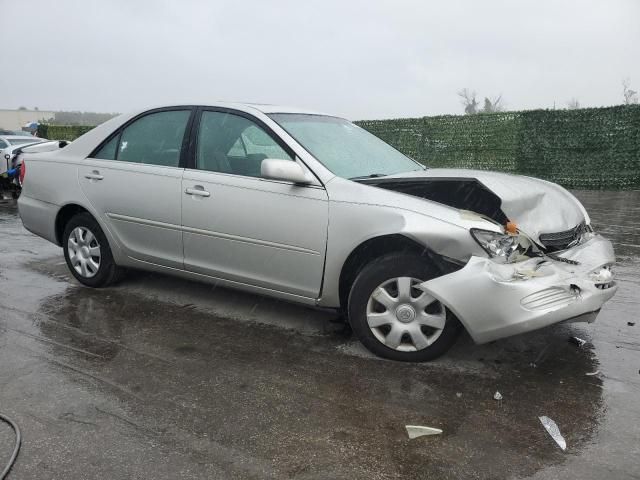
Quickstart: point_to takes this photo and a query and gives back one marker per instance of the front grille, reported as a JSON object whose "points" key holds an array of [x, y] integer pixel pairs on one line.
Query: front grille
{"points": [[557, 241]]}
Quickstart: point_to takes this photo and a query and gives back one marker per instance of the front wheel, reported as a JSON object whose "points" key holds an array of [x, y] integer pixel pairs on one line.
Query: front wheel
{"points": [[87, 252], [393, 318]]}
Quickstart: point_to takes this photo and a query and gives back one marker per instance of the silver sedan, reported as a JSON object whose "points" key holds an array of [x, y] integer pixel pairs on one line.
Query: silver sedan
{"points": [[311, 208]]}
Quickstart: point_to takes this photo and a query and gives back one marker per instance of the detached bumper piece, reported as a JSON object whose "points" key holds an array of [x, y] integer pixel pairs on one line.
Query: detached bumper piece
{"points": [[495, 300]]}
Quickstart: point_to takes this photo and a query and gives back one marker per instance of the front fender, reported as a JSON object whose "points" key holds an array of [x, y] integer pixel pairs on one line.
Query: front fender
{"points": [[352, 224]]}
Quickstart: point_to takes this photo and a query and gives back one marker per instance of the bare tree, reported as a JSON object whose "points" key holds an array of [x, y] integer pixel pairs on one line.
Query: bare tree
{"points": [[468, 99], [573, 104], [470, 102], [493, 105], [630, 96]]}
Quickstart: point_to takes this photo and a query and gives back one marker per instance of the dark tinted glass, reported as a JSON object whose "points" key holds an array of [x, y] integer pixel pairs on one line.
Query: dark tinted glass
{"points": [[154, 139], [230, 143]]}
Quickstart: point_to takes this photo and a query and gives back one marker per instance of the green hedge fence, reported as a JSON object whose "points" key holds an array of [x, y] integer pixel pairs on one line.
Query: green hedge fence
{"points": [[62, 132], [594, 148]]}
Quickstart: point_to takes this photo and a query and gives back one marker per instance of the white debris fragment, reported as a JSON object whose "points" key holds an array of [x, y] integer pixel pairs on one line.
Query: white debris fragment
{"points": [[551, 427], [415, 431], [579, 342], [590, 374], [497, 396], [458, 394]]}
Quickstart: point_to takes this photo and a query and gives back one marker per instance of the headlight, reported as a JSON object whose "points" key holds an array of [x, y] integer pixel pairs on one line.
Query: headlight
{"points": [[502, 247]]}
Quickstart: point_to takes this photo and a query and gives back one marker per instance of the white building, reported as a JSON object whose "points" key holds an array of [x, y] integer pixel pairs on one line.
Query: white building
{"points": [[16, 119]]}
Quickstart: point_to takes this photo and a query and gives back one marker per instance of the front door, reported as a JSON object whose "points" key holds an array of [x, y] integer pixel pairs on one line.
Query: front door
{"points": [[241, 227], [134, 183]]}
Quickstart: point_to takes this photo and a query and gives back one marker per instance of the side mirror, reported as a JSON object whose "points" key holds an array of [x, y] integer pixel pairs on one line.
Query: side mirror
{"points": [[286, 170]]}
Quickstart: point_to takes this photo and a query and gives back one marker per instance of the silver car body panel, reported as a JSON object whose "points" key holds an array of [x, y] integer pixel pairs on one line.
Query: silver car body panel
{"points": [[495, 300], [292, 241], [535, 205], [255, 230], [359, 212], [144, 214]]}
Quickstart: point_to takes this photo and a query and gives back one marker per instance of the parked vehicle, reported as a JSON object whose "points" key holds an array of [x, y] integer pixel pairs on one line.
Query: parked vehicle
{"points": [[15, 133], [9, 170], [8, 143], [311, 208], [14, 140], [12, 161], [9, 146]]}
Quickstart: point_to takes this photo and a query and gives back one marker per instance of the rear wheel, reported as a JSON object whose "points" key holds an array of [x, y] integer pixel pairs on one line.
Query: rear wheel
{"points": [[87, 252], [395, 319]]}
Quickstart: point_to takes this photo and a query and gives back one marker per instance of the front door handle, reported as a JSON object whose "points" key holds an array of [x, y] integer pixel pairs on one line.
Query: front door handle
{"points": [[197, 190], [95, 175]]}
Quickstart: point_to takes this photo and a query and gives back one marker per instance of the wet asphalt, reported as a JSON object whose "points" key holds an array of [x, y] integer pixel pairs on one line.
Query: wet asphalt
{"points": [[163, 378]]}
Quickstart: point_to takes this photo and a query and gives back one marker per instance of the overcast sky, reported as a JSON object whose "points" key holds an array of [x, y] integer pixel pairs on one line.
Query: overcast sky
{"points": [[369, 59]]}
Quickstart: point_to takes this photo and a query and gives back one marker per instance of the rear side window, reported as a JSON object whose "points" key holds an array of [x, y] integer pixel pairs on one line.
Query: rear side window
{"points": [[154, 139]]}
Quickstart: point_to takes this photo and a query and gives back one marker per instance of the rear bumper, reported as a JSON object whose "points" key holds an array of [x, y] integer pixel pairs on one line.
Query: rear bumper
{"points": [[495, 300], [38, 217]]}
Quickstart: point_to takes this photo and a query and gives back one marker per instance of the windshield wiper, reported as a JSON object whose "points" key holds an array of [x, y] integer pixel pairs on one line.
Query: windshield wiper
{"points": [[373, 175]]}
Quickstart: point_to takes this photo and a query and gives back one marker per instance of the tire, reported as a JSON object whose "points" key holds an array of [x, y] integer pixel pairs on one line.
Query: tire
{"points": [[395, 320], [81, 236]]}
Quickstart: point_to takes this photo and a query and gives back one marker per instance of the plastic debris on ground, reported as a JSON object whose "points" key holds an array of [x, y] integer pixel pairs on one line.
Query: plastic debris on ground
{"points": [[497, 396], [631, 324], [577, 341], [589, 374], [553, 430], [415, 431], [458, 394]]}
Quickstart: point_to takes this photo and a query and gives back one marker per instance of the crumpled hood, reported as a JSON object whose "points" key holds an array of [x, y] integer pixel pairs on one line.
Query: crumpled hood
{"points": [[535, 205]]}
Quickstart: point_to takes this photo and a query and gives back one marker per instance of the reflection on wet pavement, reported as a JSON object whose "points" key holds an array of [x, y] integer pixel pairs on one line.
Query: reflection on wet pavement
{"points": [[164, 378]]}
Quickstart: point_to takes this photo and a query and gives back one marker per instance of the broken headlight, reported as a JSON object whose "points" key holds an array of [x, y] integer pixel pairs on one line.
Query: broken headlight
{"points": [[501, 247]]}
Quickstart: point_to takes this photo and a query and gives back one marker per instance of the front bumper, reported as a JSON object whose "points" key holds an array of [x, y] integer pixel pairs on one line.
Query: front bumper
{"points": [[494, 300]]}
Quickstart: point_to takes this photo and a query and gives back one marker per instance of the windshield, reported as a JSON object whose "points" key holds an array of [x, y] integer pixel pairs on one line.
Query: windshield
{"points": [[344, 148]]}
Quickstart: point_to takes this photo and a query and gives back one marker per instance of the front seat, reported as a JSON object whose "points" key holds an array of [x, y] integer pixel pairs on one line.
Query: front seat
{"points": [[221, 162], [213, 160]]}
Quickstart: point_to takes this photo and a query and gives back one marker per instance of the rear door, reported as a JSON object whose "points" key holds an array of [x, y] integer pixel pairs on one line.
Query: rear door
{"points": [[245, 228], [134, 180]]}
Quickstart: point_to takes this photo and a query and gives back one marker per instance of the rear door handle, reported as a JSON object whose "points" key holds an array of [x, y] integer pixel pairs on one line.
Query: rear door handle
{"points": [[95, 175], [197, 190]]}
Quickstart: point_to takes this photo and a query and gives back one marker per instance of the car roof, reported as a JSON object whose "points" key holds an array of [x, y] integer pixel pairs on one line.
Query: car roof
{"points": [[265, 108], [270, 108]]}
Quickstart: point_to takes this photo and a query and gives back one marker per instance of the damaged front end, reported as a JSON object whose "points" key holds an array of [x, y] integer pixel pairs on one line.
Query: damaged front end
{"points": [[548, 268], [520, 287]]}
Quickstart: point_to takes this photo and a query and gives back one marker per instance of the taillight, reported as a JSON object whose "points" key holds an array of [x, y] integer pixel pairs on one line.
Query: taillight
{"points": [[23, 169]]}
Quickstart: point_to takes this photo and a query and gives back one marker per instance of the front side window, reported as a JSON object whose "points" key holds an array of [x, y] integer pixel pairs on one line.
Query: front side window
{"points": [[3, 144], [154, 139], [344, 148], [229, 143], [108, 151]]}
